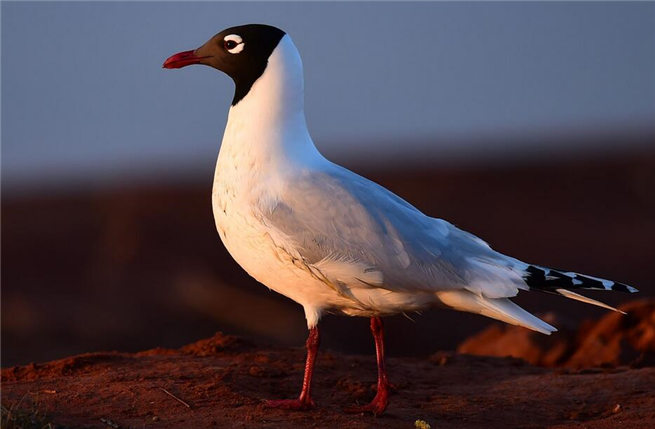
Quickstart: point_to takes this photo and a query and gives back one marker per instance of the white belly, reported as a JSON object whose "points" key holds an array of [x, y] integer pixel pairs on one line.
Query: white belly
{"points": [[251, 245]]}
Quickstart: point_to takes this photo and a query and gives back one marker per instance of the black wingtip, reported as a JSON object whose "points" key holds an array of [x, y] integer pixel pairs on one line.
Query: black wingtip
{"points": [[548, 279], [620, 287]]}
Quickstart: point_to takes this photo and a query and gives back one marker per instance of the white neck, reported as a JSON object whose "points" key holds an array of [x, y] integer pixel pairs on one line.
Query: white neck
{"points": [[268, 125]]}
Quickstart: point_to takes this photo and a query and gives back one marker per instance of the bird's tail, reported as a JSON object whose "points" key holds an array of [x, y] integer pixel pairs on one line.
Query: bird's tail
{"points": [[565, 283], [559, 282], [497, 308]]}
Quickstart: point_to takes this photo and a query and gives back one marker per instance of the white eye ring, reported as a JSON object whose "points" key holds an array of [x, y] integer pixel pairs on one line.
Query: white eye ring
{"points": [[233, 43]]}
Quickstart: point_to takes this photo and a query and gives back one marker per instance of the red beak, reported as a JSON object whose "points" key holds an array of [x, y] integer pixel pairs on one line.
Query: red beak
{"points": [[182, 59]]}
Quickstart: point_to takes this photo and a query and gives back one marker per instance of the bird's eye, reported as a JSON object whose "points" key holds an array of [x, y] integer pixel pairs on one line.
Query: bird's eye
{"points": [[233, 43]]}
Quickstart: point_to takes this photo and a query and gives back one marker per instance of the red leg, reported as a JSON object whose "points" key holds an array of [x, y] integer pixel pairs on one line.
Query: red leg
{"points": [[304, 401], [381, 400]]}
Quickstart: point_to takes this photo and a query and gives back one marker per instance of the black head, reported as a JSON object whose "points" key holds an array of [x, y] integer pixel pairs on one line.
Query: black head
{"points": [[240, 52]]}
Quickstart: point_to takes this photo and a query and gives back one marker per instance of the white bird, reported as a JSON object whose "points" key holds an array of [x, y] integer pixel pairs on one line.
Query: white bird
{"points": [[332, 240]]}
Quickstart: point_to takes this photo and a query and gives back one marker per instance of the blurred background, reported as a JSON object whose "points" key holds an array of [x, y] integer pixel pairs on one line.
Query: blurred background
{"points": [[531, 125]]}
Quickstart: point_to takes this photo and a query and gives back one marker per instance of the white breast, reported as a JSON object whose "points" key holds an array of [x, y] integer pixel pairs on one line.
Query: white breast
{"points": [[236, 200]]}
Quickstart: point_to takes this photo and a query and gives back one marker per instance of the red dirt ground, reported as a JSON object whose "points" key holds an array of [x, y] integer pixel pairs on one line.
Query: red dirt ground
{"points": [[220, 381], [616, 339]]}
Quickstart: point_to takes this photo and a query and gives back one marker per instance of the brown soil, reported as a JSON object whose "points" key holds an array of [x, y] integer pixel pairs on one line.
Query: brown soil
{"points": [[220, 381], [614, 340]]}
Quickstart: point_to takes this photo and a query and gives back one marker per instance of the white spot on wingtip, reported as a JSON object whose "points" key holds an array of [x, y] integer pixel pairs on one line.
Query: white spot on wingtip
{"points": [[607, 283]]}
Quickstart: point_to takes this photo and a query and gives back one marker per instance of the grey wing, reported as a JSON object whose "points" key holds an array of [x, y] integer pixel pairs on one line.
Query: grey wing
{"points": [[354, 233]]}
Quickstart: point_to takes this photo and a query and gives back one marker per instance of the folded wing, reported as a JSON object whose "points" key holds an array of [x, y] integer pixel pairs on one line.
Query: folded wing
{"points": [[357, 234]]}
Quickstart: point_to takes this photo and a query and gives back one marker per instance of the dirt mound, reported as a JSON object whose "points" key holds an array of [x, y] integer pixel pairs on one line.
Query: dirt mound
{"points": [[216, 344], [220, 382], [613, 340]]}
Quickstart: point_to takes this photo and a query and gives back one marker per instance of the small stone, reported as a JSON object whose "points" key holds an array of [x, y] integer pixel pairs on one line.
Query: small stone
{"points": [[617, 408], [256, 371], [155, 418]]}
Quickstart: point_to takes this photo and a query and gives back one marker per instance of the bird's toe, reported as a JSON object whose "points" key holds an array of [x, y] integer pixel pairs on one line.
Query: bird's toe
{"points": [[376, 407], [290, 404]]}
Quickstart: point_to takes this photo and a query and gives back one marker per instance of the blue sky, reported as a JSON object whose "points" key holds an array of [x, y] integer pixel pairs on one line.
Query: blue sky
{"points": [[84, 97]]}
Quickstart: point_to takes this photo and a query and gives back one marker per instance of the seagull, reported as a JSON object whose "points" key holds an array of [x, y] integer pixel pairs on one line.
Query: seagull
{"points": [[331, 240]]}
